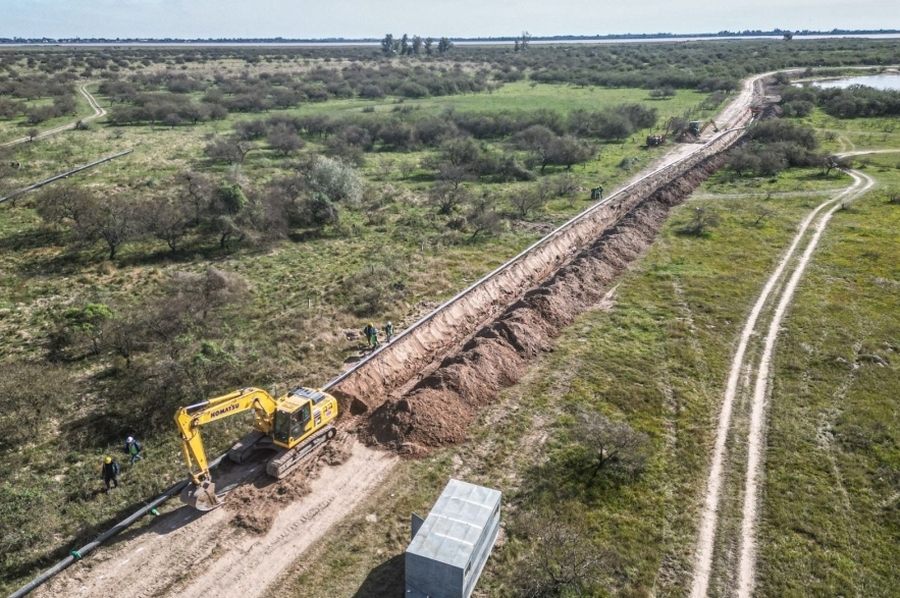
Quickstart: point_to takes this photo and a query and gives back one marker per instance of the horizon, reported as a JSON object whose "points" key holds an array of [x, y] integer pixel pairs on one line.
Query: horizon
{"points": [[460, 19]]}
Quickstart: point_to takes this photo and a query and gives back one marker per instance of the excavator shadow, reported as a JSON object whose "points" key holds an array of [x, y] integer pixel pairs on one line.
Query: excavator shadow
{"points": [[384, 581]]}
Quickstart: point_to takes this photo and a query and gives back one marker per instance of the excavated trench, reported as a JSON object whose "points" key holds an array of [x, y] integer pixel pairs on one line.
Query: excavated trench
{"points": [[438, 408]]}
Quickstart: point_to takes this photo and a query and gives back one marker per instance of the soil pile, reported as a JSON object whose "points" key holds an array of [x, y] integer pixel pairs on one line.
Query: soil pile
{"points": [[439, 408], [255, 505]]}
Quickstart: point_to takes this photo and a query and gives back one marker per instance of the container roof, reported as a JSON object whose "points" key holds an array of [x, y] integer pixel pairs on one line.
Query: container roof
{"points": [[455, 523]]}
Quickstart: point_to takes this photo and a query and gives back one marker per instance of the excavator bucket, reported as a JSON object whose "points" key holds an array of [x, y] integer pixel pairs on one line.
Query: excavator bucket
{"points": [[202, 497]]}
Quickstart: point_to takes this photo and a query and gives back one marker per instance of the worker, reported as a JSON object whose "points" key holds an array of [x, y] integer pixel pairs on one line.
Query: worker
{"points": [[133, 449], [389, 331], [110, 472], [369, 331], [374, 337]]}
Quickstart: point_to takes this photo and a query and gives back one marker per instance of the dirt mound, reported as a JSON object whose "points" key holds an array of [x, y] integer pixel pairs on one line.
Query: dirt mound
{"points": [[256, 504], [439, 408]]}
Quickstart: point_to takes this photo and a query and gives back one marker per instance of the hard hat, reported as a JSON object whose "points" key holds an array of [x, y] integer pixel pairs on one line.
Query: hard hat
{"points": [[371, 324], [109, 459], [129, 439], [389, 323]]}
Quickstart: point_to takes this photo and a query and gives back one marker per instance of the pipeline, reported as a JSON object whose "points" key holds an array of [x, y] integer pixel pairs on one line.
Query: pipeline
{"points": [[77, 555], [25, 190], [365, 386]]}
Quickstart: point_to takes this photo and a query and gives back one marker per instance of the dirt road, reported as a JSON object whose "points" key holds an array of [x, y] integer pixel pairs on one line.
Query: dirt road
{"points": [[98, 112], [749, 379], [186, 553]]}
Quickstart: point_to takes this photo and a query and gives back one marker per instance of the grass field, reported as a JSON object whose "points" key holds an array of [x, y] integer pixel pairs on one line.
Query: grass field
{"points": [[656, 359]]}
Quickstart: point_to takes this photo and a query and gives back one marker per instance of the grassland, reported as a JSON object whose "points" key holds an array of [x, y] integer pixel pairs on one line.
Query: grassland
{"points": [[291, 331], [657, 359]]}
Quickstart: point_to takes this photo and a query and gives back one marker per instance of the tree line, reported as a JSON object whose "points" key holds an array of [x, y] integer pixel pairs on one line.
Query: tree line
{"points": [[856, 101]]}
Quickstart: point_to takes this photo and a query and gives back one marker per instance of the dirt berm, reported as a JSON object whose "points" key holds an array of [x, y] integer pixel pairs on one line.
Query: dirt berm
{"points": [[438, 409], [415, 354]]}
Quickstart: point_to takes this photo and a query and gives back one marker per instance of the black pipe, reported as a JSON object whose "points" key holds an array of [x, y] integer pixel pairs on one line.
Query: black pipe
{"points": [[77, 555], [63, 175]]}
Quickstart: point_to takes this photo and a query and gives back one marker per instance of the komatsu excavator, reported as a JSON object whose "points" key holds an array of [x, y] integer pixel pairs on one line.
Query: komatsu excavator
{"points": [[292, 425]]}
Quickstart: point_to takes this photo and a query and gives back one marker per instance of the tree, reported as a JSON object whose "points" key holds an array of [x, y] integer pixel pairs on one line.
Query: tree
{"points": [[525, 39], [113, 219], [538, 140], [338, 182], [231, 214], [702, 219], [561, 559], [81, 325], [197, 193], [530, 200], [429, 41], [743, 160], [405, 48], [446, 197], [444, 45], [387, 45], [167, 220], [283, 138], [228, 149], [417, 45], [483, 218], [615, 446], [830, 162]]}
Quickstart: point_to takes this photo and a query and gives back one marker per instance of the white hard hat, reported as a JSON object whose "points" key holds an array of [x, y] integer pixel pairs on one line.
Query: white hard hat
{"points": [[129, 439], [389, 322]]}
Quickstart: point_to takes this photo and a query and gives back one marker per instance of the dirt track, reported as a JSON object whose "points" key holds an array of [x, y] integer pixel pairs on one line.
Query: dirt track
{"points": [[749, 378], [185, 554], [188, 554], [98, 112]]}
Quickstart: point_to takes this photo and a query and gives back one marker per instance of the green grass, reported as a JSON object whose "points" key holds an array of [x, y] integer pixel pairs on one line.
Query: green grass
{"points": [[830, 525], [658, 360]]}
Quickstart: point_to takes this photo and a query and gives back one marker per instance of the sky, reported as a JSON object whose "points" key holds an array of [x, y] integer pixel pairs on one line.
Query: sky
{"points": [[436, 18]]}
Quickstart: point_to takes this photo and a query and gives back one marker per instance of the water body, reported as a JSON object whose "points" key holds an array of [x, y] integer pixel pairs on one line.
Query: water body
{"points": [[884, 81]]}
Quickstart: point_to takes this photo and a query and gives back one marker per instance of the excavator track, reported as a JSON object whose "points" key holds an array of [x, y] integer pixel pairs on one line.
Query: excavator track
{"points": [[284, 463]]}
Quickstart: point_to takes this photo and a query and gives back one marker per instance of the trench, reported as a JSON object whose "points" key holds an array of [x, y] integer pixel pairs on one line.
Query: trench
{"points": [[423, 389]]}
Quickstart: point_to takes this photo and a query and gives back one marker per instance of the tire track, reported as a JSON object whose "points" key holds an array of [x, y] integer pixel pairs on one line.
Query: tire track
{"points": [[98, 112], [741, 365]]}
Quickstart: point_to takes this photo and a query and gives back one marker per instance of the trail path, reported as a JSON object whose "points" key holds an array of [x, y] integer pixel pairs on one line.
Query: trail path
{"points": [[98, 112], [767, 315]]}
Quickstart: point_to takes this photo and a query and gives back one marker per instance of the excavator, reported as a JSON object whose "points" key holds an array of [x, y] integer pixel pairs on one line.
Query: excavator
{"points": [[292, 425], [696, 127]]}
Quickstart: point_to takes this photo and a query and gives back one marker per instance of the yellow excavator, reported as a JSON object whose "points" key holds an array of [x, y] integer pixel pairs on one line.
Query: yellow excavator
{"points": [[292, 425]]}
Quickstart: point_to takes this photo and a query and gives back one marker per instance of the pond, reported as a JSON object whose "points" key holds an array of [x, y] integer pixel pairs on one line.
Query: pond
{"points": [[884, 81]]}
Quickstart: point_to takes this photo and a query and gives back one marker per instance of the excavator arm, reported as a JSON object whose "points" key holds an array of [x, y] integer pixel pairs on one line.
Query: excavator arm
{"points": [[202, 494]]}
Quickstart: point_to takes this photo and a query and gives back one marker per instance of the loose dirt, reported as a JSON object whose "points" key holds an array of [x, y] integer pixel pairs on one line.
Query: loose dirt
{"points": [[439, 408]]}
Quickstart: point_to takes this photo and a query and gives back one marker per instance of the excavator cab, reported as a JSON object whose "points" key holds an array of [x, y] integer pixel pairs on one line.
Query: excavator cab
{"points": [[292, 425]]}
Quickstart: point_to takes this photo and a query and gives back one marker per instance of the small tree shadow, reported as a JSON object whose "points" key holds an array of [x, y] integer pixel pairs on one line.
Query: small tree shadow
{"points": [[387, 580]]}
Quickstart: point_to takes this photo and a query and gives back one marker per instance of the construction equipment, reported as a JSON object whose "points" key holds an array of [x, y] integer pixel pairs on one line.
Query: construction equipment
{"points": [[696, 127], [656, 140], [292, 425]]}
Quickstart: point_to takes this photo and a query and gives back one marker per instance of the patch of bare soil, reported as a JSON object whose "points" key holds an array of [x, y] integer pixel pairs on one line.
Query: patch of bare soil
{"points": [[256, 504], [439, 408]]}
